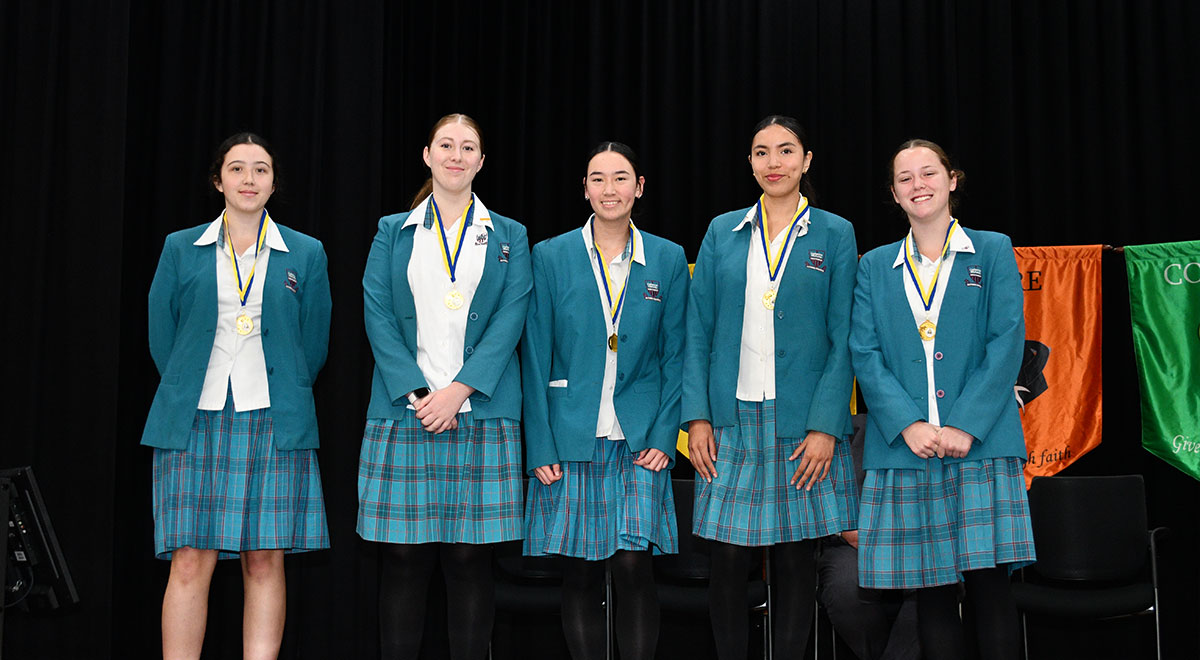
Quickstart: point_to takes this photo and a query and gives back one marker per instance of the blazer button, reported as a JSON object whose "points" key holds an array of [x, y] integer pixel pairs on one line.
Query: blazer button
{"points": [[469, 350], [621, 376], [270, 370], [780, 353], [941, 393], [779, 313], [937, 356], [624, 337], [266, 332], [474, 316]]}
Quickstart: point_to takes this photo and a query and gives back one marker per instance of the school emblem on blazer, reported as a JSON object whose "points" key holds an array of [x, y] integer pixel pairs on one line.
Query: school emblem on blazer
{"points": [[816, 260], [293, 281], [503, 252], [974, 276], [481, 238], [652, 291]]}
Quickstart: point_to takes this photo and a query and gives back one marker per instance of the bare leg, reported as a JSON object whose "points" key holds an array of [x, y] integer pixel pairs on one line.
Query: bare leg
{"points": [[185, 603], [265, 603]]}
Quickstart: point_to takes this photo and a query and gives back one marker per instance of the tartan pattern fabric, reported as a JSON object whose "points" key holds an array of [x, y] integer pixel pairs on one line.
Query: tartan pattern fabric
{"points": [[231, 490], [460, 486], [602, 506], [923, 528], [751, 502]]}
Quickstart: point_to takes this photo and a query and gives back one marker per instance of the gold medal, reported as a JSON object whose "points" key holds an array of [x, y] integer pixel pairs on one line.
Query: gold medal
{"points": [[453, 299], [244, 324], [612, 342], [927, 329], [768, 299]]}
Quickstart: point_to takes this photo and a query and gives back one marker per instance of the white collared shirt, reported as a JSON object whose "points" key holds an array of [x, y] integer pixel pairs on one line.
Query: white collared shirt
{"points": [[756, 364], [237, 363], [441, 331], [607, 425], [959, 242]]}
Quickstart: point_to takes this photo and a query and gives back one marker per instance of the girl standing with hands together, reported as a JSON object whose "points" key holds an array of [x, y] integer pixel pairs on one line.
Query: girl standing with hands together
{"points": [[937, 335], [445, 293], [602, 363], [767, 389]]}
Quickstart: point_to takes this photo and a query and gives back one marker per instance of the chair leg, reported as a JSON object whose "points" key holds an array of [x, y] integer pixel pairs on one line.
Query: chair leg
{"points": [[1157, 627], [608, 613], [769, 646], [1025, 635]]}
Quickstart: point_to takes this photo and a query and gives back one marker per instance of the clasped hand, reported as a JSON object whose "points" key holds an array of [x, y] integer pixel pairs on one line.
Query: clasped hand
{"points": [[926, 440]]}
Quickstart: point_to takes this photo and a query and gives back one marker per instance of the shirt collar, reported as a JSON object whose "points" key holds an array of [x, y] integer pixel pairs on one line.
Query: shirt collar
{"points": [[214, 234], [959, 242], [423, 214], [752, 215], [639, 249]]}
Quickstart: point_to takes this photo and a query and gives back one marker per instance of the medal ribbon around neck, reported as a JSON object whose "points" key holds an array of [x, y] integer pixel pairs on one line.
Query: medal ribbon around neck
{"points": [[244, 291], [614, 311], [773, 264], [451, 263], [926, 297]]}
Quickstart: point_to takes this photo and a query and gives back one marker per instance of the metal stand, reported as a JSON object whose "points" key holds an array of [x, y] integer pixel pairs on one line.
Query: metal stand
{"points": [[5, 487]]}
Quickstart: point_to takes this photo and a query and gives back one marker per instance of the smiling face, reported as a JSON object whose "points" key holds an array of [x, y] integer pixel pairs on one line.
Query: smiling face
{"points": [[454, 157], [611, 186], [247, 178], [778, 161], [921, 184]]}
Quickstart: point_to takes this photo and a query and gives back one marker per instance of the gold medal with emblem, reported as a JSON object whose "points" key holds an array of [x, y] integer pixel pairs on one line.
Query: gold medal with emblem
{"points": [[768, 299], [453, 299], [775, 263], [614, 306], [244, 324], [927, 329]]}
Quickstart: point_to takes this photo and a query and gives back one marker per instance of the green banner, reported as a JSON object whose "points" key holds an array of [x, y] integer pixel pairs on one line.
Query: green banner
{"points": [[1164, 301]]}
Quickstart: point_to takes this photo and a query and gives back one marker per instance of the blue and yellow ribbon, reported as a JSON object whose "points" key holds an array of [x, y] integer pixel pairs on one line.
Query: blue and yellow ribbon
{"points": [[773, 263], [614, 311], [451, 263], [910, 257], [244, 290]]}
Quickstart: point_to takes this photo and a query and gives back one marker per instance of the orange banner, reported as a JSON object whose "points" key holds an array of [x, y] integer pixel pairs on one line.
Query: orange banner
{"points": [[1059, 389]]}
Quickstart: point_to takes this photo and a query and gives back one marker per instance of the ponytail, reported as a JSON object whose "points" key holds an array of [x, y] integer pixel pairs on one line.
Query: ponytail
{"points": [[424, 192]]}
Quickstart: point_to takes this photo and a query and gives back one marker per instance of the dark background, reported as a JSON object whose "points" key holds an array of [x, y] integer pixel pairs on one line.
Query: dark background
{"points": [[1073, 120]]}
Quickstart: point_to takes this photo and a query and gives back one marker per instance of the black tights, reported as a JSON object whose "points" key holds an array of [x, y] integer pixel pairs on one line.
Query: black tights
{"points": [[990, 599], [794, 583], [635, 605], [470, 597]]}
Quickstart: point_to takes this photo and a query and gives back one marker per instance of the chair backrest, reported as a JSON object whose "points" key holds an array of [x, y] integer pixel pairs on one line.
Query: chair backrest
{"points": [[1089, 528]]}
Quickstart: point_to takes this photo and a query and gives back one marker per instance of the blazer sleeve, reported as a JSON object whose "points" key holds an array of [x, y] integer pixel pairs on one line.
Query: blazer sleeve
{"points": [[664, 432], [889, 405], [536, 351], [395, 360], [701, 317], [315, 311], [988, 389], [830, 405], [483, 368], [163, 310]]}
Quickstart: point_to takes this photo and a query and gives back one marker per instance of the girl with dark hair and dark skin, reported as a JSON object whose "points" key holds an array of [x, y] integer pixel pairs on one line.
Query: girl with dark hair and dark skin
{"points": [[602, 369], [239, 328], [767, 388], [444, 295], [936, 341]]}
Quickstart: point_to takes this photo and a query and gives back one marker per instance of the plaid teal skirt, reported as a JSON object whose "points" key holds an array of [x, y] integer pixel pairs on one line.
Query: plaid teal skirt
{"points": [[231, 490], [752, 503], [601, 506], [460, 486], [924, 528]]}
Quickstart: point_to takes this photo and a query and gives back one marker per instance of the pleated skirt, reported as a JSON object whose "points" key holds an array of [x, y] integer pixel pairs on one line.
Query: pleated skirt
{"points": [[601, 506], [460, 486], [231, 490], [751, 502], [924, 528]]}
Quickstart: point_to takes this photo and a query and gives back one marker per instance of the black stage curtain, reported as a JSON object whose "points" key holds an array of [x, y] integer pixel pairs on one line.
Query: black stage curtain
{"points": [[1074, 121]]}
